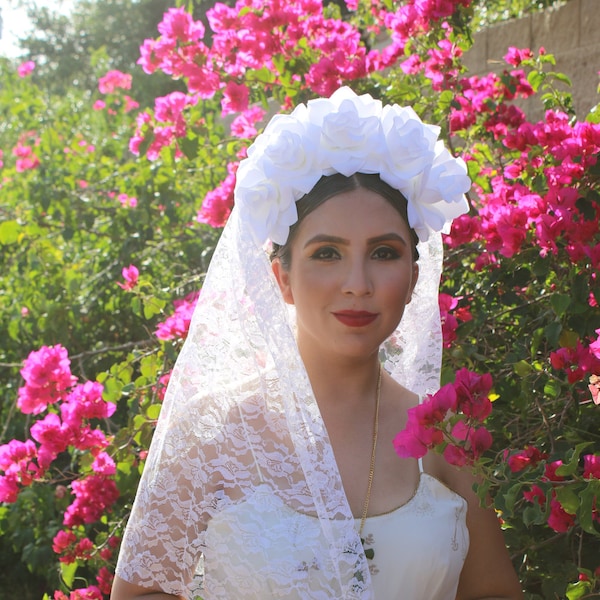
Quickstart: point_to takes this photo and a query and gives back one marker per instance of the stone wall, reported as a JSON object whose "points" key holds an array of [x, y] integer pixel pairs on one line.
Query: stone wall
{"points": [[571, 33]]}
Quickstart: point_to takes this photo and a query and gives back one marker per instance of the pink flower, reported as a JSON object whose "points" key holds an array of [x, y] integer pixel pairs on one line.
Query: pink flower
{"points": [[26, 158], [62, 540], [179, 25], [25, 68], [94, 495], [591, 466], [472, 392], [176, 326], [550, 471], [104, 464], [244, 125], [127, 201], [536, 494], [99, 105], [595, 346], [105, 579], [217, 204], [16, 460], [130, 275], [235, 98], [47, 376], [85, 402], [560, 520], [516, 56], [114, 80], [91, 592], [529, 457], [54, 437]]}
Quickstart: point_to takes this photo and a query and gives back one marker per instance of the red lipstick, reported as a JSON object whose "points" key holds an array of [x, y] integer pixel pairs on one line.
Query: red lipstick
{"points": [[355, 318]]}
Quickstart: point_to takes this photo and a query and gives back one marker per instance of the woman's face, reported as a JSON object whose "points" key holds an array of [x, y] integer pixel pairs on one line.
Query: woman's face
{"points": [[351, 274]]}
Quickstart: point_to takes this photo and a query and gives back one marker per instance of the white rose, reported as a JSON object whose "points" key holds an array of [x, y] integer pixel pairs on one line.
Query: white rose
{"points": [[265, 203], [410, 144], [350, 142]]}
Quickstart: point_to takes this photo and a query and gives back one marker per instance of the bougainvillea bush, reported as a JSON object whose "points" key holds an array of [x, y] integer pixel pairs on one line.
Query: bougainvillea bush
{"points": [[110, 214]]}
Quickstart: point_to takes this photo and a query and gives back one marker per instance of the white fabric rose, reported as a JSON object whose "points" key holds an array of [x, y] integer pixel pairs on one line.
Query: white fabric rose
{"points": [[268, 206], [349, 134]]}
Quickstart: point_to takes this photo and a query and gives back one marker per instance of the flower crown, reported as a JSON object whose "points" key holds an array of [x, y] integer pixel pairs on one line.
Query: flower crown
{"points": [[348, 134]]}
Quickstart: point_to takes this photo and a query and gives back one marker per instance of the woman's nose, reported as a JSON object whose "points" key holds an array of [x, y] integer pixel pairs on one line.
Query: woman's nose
{"points": [[357, 280]]}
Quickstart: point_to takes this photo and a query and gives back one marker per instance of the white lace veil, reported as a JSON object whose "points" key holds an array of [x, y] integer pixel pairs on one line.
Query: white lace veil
{"points": [[240, 416]]}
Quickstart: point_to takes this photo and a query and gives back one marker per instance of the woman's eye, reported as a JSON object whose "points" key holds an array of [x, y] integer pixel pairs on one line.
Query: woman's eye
{"points": [[385, 253], [325, 253]]}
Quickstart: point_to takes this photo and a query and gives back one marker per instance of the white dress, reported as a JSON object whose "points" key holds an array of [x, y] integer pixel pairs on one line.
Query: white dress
{"points": [[419, 548]]}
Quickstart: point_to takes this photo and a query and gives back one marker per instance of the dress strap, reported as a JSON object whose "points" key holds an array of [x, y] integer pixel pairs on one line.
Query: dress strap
{"points": [[420, 459]]}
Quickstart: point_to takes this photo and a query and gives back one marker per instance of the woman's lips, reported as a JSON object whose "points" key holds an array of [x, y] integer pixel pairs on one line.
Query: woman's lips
{"points": [[354, 318]]}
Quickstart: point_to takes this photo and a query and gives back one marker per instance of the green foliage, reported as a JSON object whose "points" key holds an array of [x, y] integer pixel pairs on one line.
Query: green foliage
{"points": [[64, 47]]}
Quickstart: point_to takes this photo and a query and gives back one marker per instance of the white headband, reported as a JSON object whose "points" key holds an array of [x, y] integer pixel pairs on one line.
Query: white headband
{"points": [[349, 134]]}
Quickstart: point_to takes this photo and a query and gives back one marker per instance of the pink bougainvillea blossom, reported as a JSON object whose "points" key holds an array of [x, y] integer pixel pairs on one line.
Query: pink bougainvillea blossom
{"points": [[127, 201], [177, 325], [25, 68], [114, 80], [235, 98], [244, 125], [104, 464], [516, 56], [465, 401], [20, 470], [578, 362], [26, 158], [217, 204], [591, 466], [594, 347], [131, 277], [94, 495], [529, 457], [559, 519], [47, 376]]}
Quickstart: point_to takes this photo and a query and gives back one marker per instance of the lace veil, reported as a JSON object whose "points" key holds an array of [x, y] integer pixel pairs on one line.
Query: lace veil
{"points": [[239, 415]]}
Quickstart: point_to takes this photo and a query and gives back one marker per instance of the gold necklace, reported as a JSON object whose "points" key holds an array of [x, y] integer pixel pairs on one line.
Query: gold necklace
{"points": [[373, 454]]}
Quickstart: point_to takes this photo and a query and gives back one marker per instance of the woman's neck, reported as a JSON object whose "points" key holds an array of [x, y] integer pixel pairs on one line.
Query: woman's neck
{"points": [[339, 382]]}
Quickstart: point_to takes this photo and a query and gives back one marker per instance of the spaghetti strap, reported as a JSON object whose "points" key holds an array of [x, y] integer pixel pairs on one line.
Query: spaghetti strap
{"points": [[420, 461]]}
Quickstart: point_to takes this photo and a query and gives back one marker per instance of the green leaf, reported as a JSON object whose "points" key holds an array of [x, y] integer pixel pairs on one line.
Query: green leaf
{"points": [[535, 79], [9, 232], [152, 307], [552, 388], [578, 590], [67, 573], [560, 303], [569, 468], [153, 411], [568, 499], [589, 498]]}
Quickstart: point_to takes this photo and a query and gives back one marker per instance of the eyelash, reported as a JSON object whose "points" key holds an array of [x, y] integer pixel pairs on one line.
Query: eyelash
{"points": [[328, 253]]}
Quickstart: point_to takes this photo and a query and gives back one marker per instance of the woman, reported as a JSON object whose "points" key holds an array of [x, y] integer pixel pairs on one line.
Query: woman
{"points": [[272, 472]]}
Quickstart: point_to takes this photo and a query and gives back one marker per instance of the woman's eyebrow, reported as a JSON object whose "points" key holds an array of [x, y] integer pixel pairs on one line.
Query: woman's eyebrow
{"points": [[387, 237], [323, 237], [334, 239]]}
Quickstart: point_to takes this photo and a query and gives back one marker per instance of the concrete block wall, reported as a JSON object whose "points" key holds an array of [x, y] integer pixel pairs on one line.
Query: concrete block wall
{"points": [[570, 32]]}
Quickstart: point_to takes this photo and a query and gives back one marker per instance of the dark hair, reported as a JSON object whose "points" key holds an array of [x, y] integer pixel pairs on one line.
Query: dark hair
{"points": [[332, 185]]}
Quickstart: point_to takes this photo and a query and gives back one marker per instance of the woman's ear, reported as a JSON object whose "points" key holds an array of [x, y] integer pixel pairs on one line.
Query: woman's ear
{"points": [[415, 278], [282, 275]]}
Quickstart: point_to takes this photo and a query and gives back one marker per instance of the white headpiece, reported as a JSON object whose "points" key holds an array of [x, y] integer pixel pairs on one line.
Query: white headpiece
{"points": [[240, 432], [349, 134]]}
